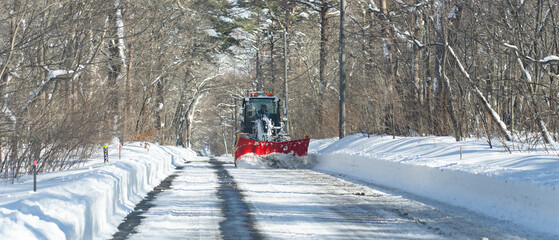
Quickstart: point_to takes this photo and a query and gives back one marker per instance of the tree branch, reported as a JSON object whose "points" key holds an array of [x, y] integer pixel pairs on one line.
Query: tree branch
{"points": [[488, 108]]}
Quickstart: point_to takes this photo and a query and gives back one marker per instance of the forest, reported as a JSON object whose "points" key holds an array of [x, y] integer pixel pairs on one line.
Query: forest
{"points": [[77, 74]]}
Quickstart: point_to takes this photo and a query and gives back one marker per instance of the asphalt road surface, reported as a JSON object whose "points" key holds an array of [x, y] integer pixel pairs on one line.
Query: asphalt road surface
{"points": [[211, 199]]}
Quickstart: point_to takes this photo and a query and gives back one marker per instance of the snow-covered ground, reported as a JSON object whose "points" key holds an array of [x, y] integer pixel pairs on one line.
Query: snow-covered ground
{"points": [[521, 187], [377, 187], [305, 204], [85, 203]]}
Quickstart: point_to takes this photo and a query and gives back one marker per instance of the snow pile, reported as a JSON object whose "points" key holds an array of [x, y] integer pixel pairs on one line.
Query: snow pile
{"points": [[88, 202], [519, 187], [316, 145], [275, 160]]}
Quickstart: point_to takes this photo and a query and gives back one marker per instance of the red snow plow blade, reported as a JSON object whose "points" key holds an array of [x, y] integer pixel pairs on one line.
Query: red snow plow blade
{"points": [[249, 146]]}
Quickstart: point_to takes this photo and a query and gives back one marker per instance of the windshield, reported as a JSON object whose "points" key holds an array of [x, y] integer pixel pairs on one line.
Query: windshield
{"points": [[254, 107]]}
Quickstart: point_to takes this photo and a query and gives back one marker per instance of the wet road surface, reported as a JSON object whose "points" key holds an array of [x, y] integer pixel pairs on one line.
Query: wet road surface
{"points": [[211, 199]]}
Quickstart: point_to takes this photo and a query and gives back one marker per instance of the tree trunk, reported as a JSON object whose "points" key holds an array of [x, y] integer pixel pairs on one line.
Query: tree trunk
{"points": [[342, 108], [259, 83], [323, 46], [439, 91], [455, 126], [128, 104], [187, 145], [285, 65], [389, 69], [13, 159], [179, 142], [446, 85], [418, 21], [117, 67], [272, 62], [159, 108]]}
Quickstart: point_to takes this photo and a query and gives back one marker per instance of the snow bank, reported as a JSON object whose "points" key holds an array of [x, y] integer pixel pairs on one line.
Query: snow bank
{"points": [[519, 187], [89, 202]]}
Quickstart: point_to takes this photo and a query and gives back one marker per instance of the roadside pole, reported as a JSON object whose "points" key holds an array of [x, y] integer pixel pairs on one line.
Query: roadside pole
{"points": [[106, 154], [34, 175]]}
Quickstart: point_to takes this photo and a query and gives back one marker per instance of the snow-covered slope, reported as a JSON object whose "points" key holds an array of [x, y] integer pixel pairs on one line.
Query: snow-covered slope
{"points": [[89, 202], [519, 187]]}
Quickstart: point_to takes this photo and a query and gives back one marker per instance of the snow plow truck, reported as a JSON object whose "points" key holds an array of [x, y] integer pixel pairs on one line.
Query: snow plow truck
{"points": [[262, 135]]}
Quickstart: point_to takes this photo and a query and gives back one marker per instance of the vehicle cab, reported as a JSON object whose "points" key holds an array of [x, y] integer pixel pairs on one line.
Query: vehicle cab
{"points": [[253, 104]]}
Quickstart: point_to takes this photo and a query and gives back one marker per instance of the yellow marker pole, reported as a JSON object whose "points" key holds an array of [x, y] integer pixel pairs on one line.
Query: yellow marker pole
{"points": [[106, 154], [34, 175]]}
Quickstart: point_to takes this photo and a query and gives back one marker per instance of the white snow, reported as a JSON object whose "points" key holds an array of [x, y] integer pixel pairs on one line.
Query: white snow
{"points": [[226, 19], [519, 187], [373, 6], [302, 204], [84, 203], [549, 59], [275, 160], [453, 12], [89, 202], [212, 32], [510, 46]]}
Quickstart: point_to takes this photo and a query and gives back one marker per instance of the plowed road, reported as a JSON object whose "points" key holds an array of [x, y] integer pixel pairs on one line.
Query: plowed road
{"points": [[211, 199]]}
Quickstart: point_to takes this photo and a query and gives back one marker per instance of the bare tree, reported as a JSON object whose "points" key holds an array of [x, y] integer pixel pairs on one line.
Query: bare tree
{"points": [[342, 109]]}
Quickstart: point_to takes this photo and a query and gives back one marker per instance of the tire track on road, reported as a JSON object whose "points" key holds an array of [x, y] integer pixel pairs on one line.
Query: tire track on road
{"points": [[239, 222]]}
